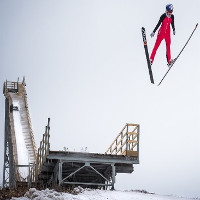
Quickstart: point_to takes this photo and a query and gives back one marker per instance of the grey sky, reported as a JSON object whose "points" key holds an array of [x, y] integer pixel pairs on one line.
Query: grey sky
{"points": [[85, 68]]}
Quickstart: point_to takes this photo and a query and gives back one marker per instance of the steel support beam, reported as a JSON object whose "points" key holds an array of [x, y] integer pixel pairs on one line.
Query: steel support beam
{"points": [[87, 164], [60, 172], [55, 174], [138, 145], [81, 183], [113, 176]]}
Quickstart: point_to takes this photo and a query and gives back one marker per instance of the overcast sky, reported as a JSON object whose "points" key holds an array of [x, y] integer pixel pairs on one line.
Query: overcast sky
{"points": [[85, 68]]}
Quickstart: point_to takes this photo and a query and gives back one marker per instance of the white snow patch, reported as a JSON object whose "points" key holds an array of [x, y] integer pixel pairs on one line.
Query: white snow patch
{"points": [[88, 194]]}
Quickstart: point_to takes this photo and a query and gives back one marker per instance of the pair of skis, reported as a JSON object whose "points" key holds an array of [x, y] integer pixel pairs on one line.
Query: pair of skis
{"points": [[147, 55]]}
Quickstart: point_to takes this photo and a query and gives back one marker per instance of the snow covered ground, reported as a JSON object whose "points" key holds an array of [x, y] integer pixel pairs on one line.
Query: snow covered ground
{"points": [[88, 194]]}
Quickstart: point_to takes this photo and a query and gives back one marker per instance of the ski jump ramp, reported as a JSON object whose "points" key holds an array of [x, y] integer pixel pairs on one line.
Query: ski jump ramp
{"points": [[20, 148], [23, 164]]}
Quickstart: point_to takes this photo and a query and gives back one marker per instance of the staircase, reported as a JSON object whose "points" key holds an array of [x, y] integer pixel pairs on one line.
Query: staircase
{"points": [[127, 142]]}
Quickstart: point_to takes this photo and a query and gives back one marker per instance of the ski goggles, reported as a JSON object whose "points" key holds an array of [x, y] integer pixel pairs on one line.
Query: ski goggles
{"points": [[170, 12]]}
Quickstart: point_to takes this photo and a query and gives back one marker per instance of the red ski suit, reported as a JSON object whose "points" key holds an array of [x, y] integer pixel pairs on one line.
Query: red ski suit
{"points": [[163, 33]]}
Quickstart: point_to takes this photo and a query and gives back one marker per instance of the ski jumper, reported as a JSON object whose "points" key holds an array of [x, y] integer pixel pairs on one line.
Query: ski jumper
{"points": [[163, 33]]}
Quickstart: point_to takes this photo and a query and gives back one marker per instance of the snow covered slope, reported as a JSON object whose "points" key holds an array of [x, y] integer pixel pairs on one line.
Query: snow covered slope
{"points": [[89, 194]]}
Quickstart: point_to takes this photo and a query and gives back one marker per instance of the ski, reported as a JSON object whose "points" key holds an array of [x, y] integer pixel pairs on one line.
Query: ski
{"points": [[170, 66], [147, 54]]}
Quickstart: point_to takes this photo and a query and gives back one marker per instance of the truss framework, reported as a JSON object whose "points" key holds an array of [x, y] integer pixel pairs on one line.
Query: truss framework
{"points": [[8, 168], [58, 175]]}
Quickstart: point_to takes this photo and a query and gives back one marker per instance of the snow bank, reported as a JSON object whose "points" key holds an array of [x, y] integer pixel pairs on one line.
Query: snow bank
{"points": [[88, 194]]}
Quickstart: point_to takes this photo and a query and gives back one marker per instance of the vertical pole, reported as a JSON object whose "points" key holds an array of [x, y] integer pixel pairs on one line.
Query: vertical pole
{"points": [[45, 141], [34, 172], [40, 158], [55, 175], [29, 176], [121, 140], [138, 137], [43, 146], [48, 148], [113, 175], [48, 122], [37, 167], [126, 138], [5, 147], [60, 173]]}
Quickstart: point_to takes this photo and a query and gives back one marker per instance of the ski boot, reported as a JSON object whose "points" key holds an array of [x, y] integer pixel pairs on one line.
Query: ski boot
{"points": [[151, 61], [171, 62]]}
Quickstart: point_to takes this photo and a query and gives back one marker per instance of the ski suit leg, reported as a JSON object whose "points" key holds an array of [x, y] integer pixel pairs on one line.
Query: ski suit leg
{"points": [[168, 43], [157, 44]]}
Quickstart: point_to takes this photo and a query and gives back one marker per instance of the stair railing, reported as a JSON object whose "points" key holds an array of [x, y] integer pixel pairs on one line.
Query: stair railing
{"points": [[43, 150], [127, 142]]}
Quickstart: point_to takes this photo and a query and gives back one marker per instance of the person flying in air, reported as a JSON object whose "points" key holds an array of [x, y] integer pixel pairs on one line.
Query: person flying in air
{"points": [[164, 33]]}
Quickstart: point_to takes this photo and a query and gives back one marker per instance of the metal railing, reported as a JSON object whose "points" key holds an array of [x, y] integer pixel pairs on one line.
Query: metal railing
{"points": [[127, 142], [10, 86]]}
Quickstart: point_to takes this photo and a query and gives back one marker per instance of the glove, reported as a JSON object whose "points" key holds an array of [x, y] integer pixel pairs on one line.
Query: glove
{"points": [[174, 32], [152, 34]]}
